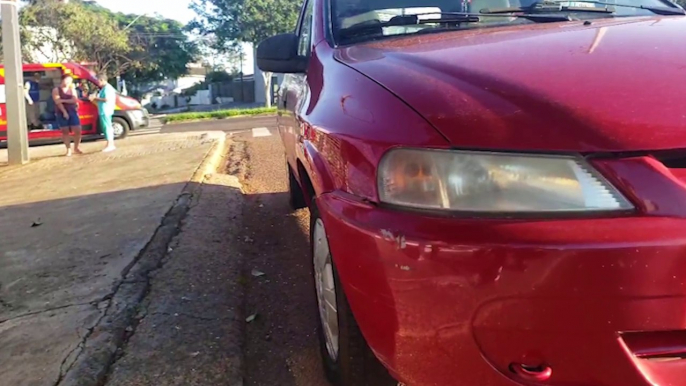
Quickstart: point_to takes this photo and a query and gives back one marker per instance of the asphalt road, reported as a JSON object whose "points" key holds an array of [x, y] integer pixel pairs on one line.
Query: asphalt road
{"points": [[227, 125], [268, 244], [281, 346], [249, 249]]}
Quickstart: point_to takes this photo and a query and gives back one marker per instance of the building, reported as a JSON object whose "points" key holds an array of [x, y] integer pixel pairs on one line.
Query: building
{"points": [[197, 73]]}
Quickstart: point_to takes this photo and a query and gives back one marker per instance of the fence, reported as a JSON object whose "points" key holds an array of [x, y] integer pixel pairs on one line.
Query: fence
{"points": [[220, 92], [235, 91]]}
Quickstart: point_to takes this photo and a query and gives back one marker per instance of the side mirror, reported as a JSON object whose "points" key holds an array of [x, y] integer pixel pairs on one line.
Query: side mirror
{"points": [[280, 54]]}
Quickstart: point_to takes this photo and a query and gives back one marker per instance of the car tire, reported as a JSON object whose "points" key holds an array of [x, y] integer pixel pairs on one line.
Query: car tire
{"points": [[296, 197], [126, 128], [355, 363]]}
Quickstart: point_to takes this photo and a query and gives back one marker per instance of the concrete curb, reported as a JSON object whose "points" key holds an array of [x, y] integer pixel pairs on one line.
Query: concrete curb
{"points": [[102, 345], [214, 159]]}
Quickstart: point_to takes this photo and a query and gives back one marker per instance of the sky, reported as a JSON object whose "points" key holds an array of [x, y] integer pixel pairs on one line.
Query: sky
{"points": [[172, 9]]}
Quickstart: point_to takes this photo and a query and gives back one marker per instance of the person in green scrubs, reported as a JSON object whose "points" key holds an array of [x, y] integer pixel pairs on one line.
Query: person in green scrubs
{"points": [[107, 101]]}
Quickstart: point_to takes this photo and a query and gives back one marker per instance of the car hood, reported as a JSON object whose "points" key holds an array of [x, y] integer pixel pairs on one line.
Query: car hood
{"points": [[613, 85]]}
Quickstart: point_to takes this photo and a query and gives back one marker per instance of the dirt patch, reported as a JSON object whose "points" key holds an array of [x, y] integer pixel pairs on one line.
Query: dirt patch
{"points": [[281, 346]]}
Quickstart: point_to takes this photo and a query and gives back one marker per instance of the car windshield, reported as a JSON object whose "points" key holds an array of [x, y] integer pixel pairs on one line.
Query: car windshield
{"points": [[360, 20]]}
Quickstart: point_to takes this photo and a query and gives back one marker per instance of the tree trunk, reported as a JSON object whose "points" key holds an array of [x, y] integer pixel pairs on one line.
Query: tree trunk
{"points": [[267, 88]]}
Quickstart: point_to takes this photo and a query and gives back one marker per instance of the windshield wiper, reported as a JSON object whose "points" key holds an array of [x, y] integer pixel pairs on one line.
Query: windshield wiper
{"points": [[545, 6], [376, 26], [557, 6], [666, 11]]}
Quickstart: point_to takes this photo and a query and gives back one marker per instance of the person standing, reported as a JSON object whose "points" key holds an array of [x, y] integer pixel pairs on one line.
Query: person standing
{"points": [[66, 113], [107, 101], [32, 96]]}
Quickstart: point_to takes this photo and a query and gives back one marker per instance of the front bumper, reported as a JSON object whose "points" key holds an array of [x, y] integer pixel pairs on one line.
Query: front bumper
{"points": [[137, 118], [146, 118], [446, 301]]}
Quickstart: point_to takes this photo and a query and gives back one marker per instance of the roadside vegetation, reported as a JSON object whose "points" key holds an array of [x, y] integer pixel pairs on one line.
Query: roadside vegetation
{"points": [[219, 114]]}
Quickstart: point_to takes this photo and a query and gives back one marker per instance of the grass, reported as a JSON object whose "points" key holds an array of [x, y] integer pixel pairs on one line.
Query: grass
{"points": [[219, 114]]}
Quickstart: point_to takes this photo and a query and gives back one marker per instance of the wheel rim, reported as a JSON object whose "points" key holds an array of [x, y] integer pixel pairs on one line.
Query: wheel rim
{"points": [[326, 289], [118, 129]]}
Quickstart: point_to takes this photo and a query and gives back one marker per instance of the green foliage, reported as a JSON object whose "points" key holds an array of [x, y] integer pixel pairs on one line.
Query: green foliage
{"points": [[230, 21], [74, 32], [218, 77], [140, 48], [159, 47], [161, 50], [220, 114]]}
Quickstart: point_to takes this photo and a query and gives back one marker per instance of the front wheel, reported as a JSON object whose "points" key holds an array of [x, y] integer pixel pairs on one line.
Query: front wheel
{"points": [[348, 360], [296, 198], [121, 127]]}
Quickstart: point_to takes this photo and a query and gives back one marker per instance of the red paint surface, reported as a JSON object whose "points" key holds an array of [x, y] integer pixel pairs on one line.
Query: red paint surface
{"points": [[88, 111], [539, 87], [457, 301], [467, 298]]}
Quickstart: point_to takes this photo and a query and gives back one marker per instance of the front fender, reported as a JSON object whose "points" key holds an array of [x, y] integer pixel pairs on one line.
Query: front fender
{"points": [[347, 122], [317, 170]]}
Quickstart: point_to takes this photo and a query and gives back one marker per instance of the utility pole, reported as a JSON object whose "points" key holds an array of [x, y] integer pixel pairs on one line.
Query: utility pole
{"points": [[17, 134]]}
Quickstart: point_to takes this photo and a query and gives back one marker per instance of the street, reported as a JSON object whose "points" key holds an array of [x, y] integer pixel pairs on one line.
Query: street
{"points": [[233, 125], [489, 194], [280, 345], [220, 295]]}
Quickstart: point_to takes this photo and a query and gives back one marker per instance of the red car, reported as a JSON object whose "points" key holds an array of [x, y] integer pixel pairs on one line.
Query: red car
{"points": [[497, 189]]}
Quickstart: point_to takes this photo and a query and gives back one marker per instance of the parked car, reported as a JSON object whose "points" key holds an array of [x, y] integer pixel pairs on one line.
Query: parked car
{"points": [[497, 190]]}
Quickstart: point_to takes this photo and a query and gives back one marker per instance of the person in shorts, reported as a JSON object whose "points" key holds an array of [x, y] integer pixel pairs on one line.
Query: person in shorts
{"points": [[66, 113]]}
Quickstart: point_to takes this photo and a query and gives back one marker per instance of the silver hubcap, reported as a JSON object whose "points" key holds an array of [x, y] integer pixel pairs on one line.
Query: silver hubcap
{"points": [[326, 289], [118, 129]]}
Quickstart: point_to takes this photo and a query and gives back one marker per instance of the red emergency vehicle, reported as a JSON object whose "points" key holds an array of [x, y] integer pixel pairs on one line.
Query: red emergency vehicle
{"points": [[129, 114]]}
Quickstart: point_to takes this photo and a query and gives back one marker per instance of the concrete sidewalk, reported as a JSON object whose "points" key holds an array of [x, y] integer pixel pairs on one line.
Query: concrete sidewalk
{"points": [[72, 231]]}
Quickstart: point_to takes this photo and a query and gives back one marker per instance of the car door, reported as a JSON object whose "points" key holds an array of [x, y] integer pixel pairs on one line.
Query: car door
{"points": [[295, 91]]}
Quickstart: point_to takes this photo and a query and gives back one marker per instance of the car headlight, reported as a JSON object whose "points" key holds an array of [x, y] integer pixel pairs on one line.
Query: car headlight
{"points": [[494, 182]]}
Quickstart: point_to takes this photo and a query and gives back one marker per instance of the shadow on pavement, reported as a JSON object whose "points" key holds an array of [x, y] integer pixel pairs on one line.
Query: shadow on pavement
{"points": [[63, 262], [70, 293], [189, 329], [281, 344]]}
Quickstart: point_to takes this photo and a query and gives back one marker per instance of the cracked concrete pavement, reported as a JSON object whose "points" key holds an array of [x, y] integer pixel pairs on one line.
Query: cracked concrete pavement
{"points": [[76, 252], [189, 327]]}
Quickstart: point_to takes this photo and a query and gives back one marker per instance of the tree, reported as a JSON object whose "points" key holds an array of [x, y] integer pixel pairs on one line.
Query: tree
{"points": [[251, 21], [161, 50], [139, 48], [218, 77], [73, 32]]}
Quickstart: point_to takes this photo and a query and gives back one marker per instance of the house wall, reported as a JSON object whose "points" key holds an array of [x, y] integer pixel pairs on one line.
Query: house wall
{"points": [[188, 81], [203, 97]]}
